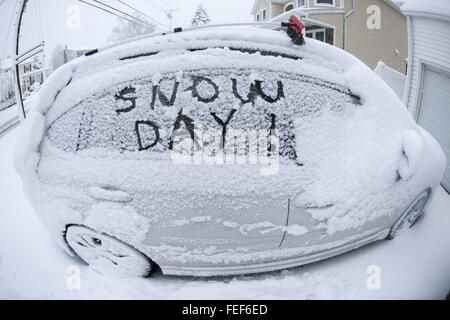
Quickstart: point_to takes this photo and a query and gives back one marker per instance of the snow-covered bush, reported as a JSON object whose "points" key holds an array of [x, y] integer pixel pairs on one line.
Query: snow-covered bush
{"points": [[35, 87]]}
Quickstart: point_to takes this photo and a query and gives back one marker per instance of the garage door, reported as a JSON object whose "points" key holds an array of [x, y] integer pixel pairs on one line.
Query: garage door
{"points": [[434, 113]]}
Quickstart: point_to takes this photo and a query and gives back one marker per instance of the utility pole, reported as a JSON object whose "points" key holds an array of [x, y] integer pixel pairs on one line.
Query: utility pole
{"points": [[20, 8], [44, 69], [169, 14]]}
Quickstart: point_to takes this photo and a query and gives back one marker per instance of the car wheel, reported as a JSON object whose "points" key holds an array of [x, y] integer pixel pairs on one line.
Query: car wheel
{"points": [[414, 211], [106, 253]]}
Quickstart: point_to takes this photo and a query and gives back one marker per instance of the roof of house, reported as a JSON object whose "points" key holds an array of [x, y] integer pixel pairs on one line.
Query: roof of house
{"points": [[432, 8], [396, 4]]}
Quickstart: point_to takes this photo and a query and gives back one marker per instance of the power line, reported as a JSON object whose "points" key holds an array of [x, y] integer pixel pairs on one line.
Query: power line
{"points": [[154, 5], [9, 29], [129, 15], [174, 11], [169, 7], [181, 19], [170, 10], [154, 20], [172, 5], [110, 12]]}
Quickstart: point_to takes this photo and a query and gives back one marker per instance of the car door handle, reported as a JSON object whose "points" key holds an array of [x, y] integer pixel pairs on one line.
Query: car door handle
{"points": [[109, 194]]}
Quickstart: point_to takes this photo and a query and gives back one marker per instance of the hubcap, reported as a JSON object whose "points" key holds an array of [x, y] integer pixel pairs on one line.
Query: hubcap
{"points": [[410, 217], [105, 253]]}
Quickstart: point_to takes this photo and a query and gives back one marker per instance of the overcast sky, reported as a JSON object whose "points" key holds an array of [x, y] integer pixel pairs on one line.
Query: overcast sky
{"points": [[53, 20]]}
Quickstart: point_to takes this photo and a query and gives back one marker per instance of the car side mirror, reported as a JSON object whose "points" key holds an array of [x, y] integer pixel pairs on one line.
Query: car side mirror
{"points": [[412, 148]]}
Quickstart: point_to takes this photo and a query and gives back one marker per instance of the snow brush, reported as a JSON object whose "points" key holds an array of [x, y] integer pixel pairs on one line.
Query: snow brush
{"points": [[295, 30]]}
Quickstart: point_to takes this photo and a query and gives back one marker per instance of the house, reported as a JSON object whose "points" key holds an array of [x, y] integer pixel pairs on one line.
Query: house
{"points": [[372, 30], [427, 89], [30, 72]]}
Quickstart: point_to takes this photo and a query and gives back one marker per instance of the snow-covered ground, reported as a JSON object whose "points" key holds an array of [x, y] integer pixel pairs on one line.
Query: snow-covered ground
{"points": [[9, 117], [415, 265]]}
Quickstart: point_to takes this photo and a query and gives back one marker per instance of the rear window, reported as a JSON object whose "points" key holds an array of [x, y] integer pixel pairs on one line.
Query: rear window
{"points": [[141, 116]]}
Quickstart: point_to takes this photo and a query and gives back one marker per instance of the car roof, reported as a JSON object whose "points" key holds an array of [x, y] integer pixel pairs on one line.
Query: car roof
{"points": [[250, 38]]}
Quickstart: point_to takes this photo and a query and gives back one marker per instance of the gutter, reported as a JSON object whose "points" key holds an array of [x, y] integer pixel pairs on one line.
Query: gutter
{"points": [[410, 62], [345, 23]]}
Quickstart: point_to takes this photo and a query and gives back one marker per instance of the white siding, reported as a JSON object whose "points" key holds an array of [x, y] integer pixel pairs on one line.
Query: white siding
{"points": [[434, 115], [431, 45]]}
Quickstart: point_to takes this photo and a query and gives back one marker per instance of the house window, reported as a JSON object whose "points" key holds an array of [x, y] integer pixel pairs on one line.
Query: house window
{"points": [[301, 3], [324, 2], [318, 34], [258, 18], [263, 14], [289, 7], [38, 78]]}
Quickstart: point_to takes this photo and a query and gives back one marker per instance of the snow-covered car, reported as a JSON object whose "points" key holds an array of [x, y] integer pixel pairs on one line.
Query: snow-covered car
{"points": [[331, 159]]}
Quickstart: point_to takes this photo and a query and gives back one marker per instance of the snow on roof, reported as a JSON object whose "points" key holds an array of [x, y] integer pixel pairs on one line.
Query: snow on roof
{"points": [[395, 4], [439, 9]]}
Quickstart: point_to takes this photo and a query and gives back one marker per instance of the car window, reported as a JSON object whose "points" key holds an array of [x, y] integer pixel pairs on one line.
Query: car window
{"points": [[142, 116]]}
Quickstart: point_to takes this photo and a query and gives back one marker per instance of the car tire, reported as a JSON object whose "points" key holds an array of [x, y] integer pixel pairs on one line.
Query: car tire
{"points": [[105, 253], [411, 215]]}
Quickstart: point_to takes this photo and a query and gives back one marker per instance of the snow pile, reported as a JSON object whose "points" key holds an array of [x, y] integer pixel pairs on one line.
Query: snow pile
{"points": [[420, 254]]}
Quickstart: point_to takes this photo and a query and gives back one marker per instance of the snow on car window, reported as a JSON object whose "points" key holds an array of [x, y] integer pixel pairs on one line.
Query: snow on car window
{"points": [[141, 116]]}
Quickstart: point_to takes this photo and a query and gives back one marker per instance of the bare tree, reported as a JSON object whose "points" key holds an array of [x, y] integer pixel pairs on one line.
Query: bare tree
{"points": [[127, 30], [57, 57]]}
